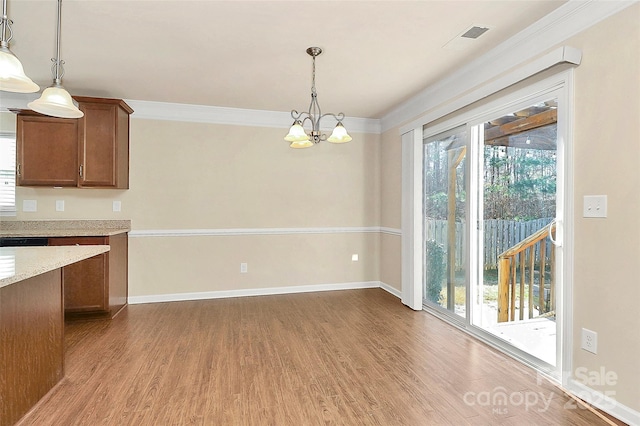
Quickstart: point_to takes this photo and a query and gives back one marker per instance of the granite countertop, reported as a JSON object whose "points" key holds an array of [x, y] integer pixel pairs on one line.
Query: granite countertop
{"points": [[64, 228], [20, 263]]}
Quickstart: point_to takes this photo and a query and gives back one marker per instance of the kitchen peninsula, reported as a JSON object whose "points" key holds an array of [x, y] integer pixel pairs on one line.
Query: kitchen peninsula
{"points": [[32, 322], [96, 287]]}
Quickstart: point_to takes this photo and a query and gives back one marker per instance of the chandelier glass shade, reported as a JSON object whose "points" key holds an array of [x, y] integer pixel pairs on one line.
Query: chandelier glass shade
{"points": [[55, 100], [12, 76], [297, 135]]}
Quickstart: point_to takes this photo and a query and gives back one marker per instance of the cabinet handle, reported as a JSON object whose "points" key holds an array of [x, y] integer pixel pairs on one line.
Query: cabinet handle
{"points": [[19, 170], [81, 167]]}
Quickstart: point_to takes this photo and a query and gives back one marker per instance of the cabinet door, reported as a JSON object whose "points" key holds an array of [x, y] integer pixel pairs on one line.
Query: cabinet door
{"points": [[85, 282], [47, 151], [98, 153]]}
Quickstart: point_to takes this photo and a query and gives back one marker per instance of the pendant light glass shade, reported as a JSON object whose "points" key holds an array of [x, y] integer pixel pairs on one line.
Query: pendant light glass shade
{"points": [[12, 76], [301, 144], [339, 135], [296, 133], [57, 102]]}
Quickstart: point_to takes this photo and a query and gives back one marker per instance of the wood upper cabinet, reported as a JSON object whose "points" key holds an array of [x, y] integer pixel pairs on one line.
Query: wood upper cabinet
{"points": [[92, 151], [47, 151]]}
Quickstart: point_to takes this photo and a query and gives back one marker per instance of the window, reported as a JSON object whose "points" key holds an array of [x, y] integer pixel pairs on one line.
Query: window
{"points": [[7, 174]]}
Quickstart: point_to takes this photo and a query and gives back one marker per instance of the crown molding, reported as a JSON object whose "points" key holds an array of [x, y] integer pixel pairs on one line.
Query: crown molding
{"points": [[149, 110], [564, 54], [568, 20]]}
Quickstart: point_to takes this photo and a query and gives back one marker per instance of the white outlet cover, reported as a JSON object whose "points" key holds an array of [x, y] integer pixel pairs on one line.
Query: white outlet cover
{"points": [[117, 206], [354, 257], [59, 205], [244, 268], [29, 205], [589, 341], [595, 206]]}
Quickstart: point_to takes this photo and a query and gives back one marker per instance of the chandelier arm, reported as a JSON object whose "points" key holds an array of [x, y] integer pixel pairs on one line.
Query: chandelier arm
{"points": [[296, 115], [339, 117]]}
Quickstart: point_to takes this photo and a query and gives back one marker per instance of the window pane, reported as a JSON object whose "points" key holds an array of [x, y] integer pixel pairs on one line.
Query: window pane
{"points": [[445, 218], [7, 173]]}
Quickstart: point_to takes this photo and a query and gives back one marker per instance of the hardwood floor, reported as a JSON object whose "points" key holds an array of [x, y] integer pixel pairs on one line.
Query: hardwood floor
{"points": [[353, 357]]}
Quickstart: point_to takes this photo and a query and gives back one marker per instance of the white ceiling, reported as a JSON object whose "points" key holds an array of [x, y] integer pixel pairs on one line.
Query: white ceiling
{"points": [[251, 55]]}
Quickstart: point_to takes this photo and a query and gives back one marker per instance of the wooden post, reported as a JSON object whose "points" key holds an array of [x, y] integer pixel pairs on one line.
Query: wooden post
{"points": [[522, 281], [543, 266], [512, 288], [552, 283], [532, 255], [455, 157], [503, 289], [451, 233]]}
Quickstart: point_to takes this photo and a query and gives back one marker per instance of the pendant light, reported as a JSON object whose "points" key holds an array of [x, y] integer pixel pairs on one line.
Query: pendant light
{"points": [[55, 100], [298, 137], [12, 76]]}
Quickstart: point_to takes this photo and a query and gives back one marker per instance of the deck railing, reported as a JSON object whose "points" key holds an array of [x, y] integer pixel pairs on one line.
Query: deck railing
{"points": [[519, 274]]}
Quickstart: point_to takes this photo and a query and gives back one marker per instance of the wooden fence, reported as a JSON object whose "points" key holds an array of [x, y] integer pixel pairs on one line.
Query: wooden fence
{"points": [[499, 235]]}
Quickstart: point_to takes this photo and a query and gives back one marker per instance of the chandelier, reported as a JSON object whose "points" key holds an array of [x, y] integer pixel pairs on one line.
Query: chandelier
{"points": [[298, 136]]}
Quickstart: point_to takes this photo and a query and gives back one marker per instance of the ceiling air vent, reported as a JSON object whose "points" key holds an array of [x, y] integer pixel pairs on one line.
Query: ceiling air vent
{"points": [[467, 38], [474, 32]]}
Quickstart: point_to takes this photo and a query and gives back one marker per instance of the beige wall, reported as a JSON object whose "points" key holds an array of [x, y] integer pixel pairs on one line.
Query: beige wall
{"points": [[195, 176], [606, 161]]}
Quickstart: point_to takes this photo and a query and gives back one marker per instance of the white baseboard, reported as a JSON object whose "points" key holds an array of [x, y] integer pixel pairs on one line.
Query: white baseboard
{"points": [[608, 404], [175, 297], [397, 293]]}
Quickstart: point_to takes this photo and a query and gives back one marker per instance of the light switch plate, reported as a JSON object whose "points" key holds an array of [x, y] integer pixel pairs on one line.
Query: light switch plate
{"points": [[117, 206], [29, 205], [595, 206], [59, 205]]}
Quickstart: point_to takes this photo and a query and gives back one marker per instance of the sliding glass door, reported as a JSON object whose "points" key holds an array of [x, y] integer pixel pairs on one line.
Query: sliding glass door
{"points": [[492, 198], [517, 182]]}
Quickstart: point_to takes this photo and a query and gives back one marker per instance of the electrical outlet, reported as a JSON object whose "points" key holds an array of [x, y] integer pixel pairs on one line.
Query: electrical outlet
{"points": [[117, 206], [29, 205], [354, 257], [244, 268], [590, 341], [59, 205]]}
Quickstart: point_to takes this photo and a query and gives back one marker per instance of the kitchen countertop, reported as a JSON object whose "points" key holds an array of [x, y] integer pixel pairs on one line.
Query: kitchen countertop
{"points": [[20, 263], [64, 228]]}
